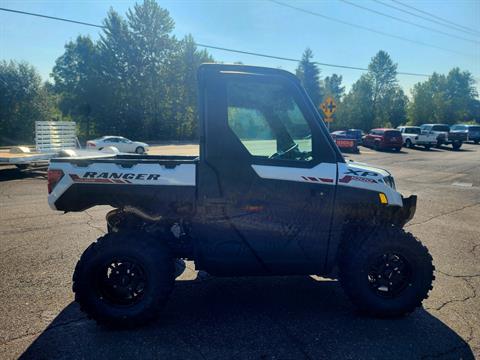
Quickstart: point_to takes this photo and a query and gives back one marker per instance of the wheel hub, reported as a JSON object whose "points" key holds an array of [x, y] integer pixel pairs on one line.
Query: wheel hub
{"points": [[389, 274], [122, 282]]}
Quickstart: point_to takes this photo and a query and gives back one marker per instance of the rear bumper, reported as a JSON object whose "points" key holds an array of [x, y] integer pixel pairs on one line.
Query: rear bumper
{"points": [[391, 145], [426, 142], [404, 214]]}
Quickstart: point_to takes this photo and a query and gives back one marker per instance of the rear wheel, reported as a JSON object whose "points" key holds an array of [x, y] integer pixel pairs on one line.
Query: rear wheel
{"points": [[427, 147], [476, 141], [388, 273], [140, 150], [397, 149], [124, 279]]}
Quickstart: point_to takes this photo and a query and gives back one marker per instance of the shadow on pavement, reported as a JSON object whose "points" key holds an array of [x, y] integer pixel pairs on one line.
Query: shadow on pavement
{"points": [[12, 173], [254, 318]]}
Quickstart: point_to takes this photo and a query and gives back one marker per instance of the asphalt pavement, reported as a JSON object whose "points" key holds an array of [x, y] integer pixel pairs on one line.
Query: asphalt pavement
{"points": [[246, 318]]}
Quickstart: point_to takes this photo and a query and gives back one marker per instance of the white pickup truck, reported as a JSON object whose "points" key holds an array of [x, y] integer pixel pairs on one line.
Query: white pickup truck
{"points": [[413, 135]]}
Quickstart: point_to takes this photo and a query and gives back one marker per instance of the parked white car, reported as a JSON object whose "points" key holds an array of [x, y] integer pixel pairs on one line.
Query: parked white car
{"points": [[122, 144], [413, 135]]}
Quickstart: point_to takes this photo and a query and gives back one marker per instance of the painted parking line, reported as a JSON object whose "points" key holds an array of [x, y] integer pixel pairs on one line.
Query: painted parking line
{"points": [[462, 184]]}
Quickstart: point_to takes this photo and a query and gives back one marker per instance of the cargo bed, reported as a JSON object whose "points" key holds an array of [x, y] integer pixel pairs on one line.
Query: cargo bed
{"points": [[148, 182]]}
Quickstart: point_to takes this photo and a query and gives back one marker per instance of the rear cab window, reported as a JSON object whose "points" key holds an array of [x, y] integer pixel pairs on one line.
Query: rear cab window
{"points": [[392, 133], [444, 128]]}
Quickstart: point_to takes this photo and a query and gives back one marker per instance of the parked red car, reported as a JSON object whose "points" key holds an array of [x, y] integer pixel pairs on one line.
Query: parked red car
{"points": [[383, 139]]}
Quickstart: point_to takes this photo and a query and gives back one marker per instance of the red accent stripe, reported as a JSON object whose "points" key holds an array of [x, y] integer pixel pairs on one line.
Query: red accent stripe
{"points": [[326, 180]]}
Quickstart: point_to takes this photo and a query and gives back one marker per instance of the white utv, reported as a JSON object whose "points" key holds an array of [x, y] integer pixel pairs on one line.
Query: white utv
{"points": [[270, 194]]}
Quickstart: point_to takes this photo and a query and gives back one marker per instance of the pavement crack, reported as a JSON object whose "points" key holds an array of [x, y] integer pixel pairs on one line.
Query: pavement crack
{"points": [[458, 275], [28, 334], [91, 219], [442, 214], [473, 295]]}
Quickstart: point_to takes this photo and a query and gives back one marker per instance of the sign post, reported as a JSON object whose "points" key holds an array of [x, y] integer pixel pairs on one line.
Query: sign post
{"points": [[328, 107]]}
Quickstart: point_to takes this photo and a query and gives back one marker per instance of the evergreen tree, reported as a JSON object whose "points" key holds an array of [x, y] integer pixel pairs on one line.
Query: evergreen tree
{"points": [[333, 87], [309, 75]]}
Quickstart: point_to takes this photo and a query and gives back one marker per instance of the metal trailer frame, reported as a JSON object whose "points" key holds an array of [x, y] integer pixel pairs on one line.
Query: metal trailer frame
{"points": [[50, 138]]}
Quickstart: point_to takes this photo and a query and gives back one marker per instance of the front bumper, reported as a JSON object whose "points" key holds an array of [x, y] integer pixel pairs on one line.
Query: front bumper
{"points": [[404, 214]]}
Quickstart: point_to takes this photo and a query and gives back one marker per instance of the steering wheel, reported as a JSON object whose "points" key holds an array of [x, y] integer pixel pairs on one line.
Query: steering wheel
{"points": [[284, 152]]}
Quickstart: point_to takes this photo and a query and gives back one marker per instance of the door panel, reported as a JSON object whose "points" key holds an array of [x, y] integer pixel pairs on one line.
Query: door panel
{"points": [[275, 170]]}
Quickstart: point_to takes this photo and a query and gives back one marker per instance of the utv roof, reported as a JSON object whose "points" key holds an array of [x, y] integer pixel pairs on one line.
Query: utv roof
{"points": [[245, 69]]}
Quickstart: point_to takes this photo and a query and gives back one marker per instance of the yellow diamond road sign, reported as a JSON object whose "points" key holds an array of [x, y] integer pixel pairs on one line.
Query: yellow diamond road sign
{"points": [[328, 107]]}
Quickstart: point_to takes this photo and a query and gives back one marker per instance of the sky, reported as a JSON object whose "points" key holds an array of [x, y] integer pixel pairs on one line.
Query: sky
{"points": [[265, 27]]}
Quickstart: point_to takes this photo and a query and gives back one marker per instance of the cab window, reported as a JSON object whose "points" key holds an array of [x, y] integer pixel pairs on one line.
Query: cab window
{"points": [[266, 118]]}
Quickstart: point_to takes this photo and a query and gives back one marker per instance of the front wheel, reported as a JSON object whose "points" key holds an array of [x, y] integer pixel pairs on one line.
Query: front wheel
{"points": [[124, 279], [388, 273], [408, 143], [140, 150], [427, 147]]}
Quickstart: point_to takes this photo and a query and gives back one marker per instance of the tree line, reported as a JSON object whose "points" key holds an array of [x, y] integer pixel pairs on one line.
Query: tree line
{"points": [[377, 100], [139, 80]]}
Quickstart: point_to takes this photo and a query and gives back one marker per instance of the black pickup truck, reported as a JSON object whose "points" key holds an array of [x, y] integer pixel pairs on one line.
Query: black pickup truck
{"points": [[270, 194]]}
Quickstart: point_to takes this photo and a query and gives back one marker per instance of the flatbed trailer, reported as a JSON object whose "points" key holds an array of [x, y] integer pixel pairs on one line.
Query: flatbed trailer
{"points": [[51, 137], [30, 158]]}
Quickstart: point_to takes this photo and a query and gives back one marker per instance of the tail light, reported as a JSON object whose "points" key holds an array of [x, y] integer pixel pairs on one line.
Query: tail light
{"points": [[90, 144], [54, 176]]}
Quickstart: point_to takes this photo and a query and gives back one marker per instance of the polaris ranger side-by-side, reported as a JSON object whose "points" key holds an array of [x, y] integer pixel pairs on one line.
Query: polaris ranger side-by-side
{"points": [[270, 194]]}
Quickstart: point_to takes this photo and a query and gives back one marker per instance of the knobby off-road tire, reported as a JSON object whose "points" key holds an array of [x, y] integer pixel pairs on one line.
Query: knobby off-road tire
{"points": [[124, 279], [386, 272]]}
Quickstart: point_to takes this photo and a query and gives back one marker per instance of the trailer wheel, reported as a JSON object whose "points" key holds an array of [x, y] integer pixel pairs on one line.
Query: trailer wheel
{"points": [[386, 274], [457, 145], [124, 279]]}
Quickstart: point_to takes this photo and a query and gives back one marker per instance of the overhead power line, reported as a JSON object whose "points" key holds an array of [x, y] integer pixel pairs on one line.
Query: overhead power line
{"points": [[216, 47], [357, 26], [51, 17], [436, 17], [456, 28], [298, 60], [408, 22]]}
